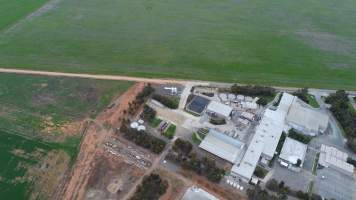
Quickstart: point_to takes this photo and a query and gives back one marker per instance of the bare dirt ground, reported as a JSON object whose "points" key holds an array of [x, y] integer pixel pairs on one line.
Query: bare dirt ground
{"points": [[176, 185], [91, 147], [111, 178]]}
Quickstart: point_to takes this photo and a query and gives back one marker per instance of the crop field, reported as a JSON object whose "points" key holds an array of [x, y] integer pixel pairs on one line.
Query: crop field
{"points": [[13, 10], [41, 122], [281, 42]]}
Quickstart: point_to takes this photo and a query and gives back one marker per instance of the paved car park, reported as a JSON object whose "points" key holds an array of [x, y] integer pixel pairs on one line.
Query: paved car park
{"points": [[294, 180], [309, 160], [331, 183]]}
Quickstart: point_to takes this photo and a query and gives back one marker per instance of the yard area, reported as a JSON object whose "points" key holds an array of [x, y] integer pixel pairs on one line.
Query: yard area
{"points": [[228, 41]]}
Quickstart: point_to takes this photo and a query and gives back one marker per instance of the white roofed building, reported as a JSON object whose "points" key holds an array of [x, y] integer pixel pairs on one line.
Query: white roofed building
{"points": [[219, 109], [223, 146], [336, 159], [291, 152], [306, 120], [195, 193]]}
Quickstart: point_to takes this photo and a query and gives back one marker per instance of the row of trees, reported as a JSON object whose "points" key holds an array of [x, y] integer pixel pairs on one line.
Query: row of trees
{"points": [[151, 188], [169, 102], [283, 191], [259, 194], [182, 154], [302, 94], [340, 107], [143, 139], [300, 137], [253, 90], [140, 99]]}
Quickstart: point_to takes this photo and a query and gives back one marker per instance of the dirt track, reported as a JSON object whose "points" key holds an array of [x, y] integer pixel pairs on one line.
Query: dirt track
{"points": [[96, 134], [93, 76]]}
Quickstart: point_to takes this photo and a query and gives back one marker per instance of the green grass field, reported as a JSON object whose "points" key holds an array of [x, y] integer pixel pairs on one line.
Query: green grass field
{"points": [[34, 149], [13, 10], [290, 43]]}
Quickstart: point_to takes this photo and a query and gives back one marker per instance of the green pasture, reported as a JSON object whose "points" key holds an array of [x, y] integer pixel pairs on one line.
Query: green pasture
{"points": [[283, 42]]}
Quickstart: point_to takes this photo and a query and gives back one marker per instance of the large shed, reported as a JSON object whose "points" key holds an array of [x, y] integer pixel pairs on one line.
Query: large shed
{"points": [[223, 146]]}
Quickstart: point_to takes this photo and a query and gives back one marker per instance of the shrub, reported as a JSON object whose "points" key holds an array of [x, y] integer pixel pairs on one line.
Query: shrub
{"points": [[255, 90], [143, 139], [148, 113], [152, 188], [217, 121], [347, 118], [260, 172], [302, 94], [300, 137], [170, 102], [262, 101]]}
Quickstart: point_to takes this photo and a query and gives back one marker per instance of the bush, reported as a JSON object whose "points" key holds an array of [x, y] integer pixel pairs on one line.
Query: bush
{"points": [[272, 185], [148, 113], [278, 100], [170, 131], [260, 172], [143, 139], [217, 121], [169, 102], [188, 160], [182, 146], [255, 90], [151, 188], [262, 101], [302, 94], [347, 118], [300, 137], [351, 161], [281, 142]]}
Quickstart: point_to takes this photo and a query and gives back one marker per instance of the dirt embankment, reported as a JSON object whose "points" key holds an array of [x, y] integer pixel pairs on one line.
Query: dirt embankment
{"points": [[91, 146]]}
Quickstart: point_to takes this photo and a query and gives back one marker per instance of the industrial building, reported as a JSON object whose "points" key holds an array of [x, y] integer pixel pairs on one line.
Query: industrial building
{"points": [[302, 117], [220, 109], [223, 146], [291, 152], [264, 143], [306, 120], [336, 159]]}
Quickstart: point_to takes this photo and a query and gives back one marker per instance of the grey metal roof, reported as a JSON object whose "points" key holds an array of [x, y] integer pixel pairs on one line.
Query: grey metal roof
{"points": [[223, 146], [293, 150]]}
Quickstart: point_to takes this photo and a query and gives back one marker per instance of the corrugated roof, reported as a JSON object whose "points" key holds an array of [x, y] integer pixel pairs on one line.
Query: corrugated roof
{"points": [[293, 150], [306, 117], [219, 108], [223, 146], [331, 156]]}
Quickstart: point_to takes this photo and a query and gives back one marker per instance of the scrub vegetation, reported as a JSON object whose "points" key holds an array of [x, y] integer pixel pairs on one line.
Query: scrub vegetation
{"points": [[289, 43], [41, 124]]}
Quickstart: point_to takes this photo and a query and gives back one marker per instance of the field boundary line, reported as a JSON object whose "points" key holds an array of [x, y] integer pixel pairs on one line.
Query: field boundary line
{"points": [[46, 7]]}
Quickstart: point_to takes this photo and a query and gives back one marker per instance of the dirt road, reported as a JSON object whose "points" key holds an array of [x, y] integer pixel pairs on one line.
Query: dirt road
{"points": [[93, 76], [95, 136], [150, 80]]}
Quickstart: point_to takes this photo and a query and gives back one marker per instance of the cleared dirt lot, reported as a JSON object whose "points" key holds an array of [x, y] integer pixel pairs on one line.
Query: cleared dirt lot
{"points": [[111, 178]]}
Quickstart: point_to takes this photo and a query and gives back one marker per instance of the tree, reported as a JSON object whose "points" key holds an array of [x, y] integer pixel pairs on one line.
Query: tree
{"points": [[302, 94], [299, 162], [262, 101]]}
